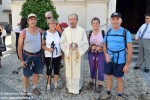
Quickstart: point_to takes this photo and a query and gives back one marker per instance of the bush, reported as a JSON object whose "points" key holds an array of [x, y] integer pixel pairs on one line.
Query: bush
{"points": [[38, 7]]}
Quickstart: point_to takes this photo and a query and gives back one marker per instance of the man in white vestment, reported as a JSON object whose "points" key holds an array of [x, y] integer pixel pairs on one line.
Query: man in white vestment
{"points": [[74, 44]]}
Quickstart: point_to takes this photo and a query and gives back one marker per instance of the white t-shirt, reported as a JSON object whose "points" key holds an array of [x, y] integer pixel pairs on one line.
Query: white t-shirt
{"points": [[56, 38], [17, 29], [3, 33]]}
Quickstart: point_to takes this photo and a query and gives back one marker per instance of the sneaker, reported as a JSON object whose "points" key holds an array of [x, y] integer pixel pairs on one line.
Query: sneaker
{"points": [[48, 87], [36, 91], [119, 98], [146, 70], [25, 96], [106, 96], [55, 85], [136, 67]]}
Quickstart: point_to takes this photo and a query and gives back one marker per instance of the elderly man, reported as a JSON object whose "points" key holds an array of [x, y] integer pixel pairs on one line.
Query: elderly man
{"points": [[49, 15], [143, 35], [116, 42], [74, 44]]}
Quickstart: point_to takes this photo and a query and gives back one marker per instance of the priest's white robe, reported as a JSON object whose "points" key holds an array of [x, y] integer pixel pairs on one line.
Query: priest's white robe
{"points": [[74, 59]]}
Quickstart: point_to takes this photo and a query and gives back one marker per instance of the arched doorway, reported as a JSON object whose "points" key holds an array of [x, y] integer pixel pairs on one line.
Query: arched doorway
{"points": [[133, 12]]}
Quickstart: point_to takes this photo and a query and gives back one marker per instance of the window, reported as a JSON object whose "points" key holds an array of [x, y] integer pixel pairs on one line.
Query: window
{"points": [[0, 2]]}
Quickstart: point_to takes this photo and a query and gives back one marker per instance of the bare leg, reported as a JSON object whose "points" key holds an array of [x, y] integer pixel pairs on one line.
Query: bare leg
{"points": [[56, 79], [25, 83], [48, 79], [35, 80], [109, 82], [120, 85]]}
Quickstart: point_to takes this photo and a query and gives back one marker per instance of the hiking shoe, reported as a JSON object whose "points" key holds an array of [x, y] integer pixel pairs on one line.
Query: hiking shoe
{"points": [[136, 68], [105, 96], [90, 85], [146, 70], [36, 91], [25, 96], [100, 88], [119, 98]]}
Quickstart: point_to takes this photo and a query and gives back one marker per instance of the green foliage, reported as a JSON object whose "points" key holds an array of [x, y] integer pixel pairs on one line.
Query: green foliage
{"points": [[38, 7]]}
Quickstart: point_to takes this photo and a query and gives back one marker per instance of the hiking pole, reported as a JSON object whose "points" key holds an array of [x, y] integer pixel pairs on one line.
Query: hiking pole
{"points": [[19, 68], [96, 62], [51, 66]]}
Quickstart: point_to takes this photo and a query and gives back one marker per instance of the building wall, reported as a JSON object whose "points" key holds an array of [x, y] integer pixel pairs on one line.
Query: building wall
{"points": [[4, 16]]}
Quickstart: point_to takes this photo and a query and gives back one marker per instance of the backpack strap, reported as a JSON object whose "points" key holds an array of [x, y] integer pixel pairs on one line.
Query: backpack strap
{"points": [[59, 33], [125, 37], [89, 35], [44, 35], [107, 36], [103, 33]]}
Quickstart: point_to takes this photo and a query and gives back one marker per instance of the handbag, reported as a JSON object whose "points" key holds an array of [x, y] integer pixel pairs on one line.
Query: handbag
{"points": [[2, 45]]}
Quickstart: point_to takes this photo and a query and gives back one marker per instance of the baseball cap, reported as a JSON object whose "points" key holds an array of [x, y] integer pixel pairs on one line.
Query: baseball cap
{"points": [[115, 14], [32, 15]]}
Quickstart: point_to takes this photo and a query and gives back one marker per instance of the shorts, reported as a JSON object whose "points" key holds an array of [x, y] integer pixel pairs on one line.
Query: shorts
{"points": [[34, 65], [55, 62], [114, 69]]}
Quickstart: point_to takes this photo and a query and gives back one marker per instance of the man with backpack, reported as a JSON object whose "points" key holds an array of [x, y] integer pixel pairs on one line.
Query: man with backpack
{"points": [[29, 51], [116, 42]]}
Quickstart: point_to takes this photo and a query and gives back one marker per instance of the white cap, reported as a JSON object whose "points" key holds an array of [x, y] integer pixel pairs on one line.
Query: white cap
{"points": [[32, 15]]}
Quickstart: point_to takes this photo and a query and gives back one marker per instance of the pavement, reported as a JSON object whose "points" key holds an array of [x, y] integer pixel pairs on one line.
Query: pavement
{"points": [[11, 85]]}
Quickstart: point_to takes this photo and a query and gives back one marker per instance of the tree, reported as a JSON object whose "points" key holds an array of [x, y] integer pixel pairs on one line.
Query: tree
{"points": [[38, 7]]}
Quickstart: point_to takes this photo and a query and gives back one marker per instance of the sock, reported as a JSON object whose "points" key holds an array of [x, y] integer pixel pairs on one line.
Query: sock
{"points": [[108, 92], [119, 94], [34, 86]]}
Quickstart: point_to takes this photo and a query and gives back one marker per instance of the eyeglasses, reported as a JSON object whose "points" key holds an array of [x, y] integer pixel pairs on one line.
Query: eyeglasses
{"points": [[48, 17]]}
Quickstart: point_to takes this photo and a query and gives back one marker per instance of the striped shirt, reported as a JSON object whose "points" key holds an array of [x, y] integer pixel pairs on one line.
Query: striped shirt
{"points": [[140, 32]]}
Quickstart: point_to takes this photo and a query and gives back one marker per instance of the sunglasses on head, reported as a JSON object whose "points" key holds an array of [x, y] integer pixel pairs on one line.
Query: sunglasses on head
{"points": [[48, 17]]}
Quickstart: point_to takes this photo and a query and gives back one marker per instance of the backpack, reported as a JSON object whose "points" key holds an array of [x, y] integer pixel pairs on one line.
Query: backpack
{"points": [[125, 41]]}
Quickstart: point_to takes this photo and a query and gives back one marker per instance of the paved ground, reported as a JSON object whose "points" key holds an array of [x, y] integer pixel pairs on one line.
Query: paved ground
{"points": [[137, 83]]}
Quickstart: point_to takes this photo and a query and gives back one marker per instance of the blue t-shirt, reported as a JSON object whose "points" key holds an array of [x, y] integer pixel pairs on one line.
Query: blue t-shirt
{"points": [[116, 43]]}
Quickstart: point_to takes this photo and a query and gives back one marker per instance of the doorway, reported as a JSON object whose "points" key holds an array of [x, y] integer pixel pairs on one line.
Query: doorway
{"points": [[132, 12]]}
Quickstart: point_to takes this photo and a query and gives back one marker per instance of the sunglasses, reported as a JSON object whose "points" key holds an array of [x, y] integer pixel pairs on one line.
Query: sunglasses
{"points": [[146, 18], [48, 17]]}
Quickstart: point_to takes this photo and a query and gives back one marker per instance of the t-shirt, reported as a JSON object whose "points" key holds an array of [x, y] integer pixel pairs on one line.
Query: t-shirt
{"points": [[96, 39], [116, 43], [49, 38]]}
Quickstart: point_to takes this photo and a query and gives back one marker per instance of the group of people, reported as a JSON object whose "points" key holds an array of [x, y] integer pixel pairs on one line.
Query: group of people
{"points": [[109, 53]]}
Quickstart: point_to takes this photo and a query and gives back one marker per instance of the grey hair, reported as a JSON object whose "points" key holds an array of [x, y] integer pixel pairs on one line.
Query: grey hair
{"points": [[74, 15], [49, 13]]}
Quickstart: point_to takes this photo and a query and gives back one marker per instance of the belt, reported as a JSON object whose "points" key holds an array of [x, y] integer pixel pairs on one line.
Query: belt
{"points": [[34, 54]]}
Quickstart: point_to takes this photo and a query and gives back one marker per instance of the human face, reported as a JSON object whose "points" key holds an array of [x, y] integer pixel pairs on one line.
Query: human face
{"points": [[32, 21], [116, 22], [147, 19], [52, 25], [72, 21], [95, 24], [48, 16]]}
